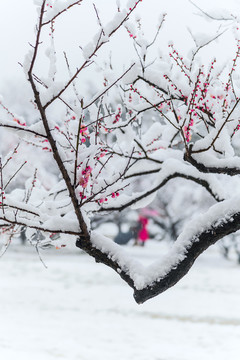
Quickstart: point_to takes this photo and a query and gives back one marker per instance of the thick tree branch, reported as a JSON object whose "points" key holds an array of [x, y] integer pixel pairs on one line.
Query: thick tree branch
{"points": [[207, 238], [232, 171], [197, 244]]}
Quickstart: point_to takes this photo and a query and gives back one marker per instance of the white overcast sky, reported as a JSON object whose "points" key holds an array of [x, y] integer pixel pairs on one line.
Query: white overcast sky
{"points": [[17, 18]]}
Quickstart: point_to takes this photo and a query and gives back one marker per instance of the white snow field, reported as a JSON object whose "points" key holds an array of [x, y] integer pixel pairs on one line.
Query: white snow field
{"points": [[79, 310]]}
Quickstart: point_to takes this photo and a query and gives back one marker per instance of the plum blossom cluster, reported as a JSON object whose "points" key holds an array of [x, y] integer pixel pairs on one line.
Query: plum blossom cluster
{"points": [[104, 199], [101, 154], [19, 122], [84, 179], [117, 115], [187, 130], [84, 133], [14, 118]]}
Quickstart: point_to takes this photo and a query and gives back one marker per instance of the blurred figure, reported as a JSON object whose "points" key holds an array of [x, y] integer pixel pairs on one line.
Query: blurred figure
{"points": [[143, 235]]}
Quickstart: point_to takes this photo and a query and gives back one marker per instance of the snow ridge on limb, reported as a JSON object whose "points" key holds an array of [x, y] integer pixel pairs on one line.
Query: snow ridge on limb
{"points": [[197, 247], [147, 282], [215, 166]]}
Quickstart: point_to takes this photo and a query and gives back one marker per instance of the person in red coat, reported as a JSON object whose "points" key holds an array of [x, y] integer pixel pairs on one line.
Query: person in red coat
{"points": [[143, 233]]}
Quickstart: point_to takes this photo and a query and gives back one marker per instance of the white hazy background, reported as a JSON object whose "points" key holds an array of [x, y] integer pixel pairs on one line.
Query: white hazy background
{"points": [[17, 20]]}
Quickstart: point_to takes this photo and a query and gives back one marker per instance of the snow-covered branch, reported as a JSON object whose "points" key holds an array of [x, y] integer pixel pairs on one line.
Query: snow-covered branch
{"points": [[84, 154]]}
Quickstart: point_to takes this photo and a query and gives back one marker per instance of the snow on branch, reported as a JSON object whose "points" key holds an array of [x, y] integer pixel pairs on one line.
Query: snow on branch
{"points": [[83, 155], [220, 220]]}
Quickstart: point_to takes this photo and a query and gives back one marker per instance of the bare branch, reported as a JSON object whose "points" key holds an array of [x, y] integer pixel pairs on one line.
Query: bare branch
{"points": [[61, 12], [108, 88]]}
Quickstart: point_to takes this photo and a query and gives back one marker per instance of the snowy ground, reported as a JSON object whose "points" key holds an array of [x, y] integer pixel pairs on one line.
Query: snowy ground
{"points": [[77, 309]]}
